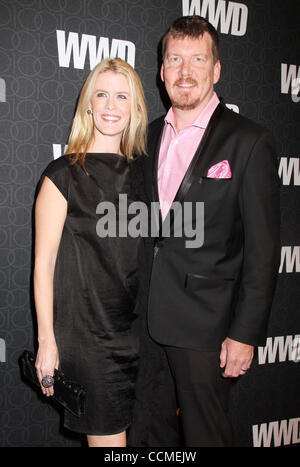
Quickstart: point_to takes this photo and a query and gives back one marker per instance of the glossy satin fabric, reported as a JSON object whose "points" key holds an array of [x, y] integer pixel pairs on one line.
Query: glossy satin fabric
{"points": [[95, 287]]}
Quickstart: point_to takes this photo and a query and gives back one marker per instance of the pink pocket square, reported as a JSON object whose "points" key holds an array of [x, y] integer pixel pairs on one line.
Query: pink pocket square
{"points": [[220, 170]]}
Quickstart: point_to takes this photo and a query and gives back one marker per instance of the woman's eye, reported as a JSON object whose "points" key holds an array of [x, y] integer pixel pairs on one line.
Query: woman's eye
{"points": [[122, 96], [101, 94]]}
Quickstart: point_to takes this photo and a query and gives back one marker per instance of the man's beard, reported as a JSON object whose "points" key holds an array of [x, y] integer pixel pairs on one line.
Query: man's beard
{"points": [[185, 101]]}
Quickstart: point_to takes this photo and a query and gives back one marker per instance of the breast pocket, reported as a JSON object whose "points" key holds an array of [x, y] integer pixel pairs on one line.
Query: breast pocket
{"points": [[213, 188]]}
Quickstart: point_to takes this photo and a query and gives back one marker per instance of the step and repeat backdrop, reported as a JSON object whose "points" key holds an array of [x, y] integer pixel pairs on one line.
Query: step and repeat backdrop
{"points": [[47, 48]]}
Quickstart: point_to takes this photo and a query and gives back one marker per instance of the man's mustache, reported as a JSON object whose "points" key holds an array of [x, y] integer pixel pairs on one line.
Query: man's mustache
{"points": [[181, 81]]}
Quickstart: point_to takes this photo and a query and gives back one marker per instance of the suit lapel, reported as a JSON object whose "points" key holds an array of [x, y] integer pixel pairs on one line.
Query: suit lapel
{"points": [[194, 169], [154, 147], [199, 159], [155, 194]]}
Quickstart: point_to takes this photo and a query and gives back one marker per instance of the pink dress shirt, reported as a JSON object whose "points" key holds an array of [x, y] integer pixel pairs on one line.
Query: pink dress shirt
{"points": [[177, 151]]}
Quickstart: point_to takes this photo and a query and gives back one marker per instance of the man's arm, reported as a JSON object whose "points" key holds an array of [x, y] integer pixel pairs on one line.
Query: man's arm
{"points": [[260, 211]]}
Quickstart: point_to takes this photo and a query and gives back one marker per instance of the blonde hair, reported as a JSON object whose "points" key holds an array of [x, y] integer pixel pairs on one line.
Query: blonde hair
{"points": [[133, 141]]}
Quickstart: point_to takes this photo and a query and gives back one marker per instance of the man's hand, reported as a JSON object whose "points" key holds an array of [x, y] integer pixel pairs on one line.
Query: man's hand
{"points": [[235, 357]]}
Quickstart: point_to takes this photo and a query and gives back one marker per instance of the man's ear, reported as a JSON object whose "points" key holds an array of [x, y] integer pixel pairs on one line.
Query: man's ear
{"points": [[162, 73], [217, 71]]}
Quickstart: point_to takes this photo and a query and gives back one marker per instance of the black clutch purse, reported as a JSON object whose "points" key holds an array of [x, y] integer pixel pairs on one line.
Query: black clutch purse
{"points": [[70, 395]]}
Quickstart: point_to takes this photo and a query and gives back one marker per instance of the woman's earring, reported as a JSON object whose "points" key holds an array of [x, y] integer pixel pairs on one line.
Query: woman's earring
{"points": [[89, 111]]}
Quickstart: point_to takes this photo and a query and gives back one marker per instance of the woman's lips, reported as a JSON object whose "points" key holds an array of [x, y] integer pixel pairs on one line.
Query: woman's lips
{"points": [[110, 118]]}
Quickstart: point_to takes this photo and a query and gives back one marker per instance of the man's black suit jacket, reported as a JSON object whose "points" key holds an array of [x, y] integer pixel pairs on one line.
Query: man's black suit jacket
{"points": [[199, 296]]}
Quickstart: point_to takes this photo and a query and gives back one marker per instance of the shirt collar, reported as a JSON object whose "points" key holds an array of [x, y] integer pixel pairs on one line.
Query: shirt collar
{"points": [[204, 116]]}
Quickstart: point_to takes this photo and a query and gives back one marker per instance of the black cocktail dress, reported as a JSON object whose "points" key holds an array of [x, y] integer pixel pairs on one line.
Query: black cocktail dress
{"points": [[95, 289]]}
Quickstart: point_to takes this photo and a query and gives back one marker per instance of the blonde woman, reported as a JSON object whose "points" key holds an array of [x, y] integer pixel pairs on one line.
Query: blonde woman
{"points": [[85, 286]]}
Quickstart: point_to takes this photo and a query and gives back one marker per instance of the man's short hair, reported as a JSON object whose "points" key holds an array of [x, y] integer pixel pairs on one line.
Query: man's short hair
{"points": [[193, 27]]}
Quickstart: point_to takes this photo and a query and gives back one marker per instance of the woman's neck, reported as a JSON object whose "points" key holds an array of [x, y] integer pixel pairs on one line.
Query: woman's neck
{"points": [[109, 144]]}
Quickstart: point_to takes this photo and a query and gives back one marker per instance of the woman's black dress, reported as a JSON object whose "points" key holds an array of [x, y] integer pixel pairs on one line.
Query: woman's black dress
{"points": [[95, 288]]}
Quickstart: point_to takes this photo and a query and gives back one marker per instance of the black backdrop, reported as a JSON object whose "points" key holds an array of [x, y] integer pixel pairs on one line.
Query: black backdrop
{"points": [[41, 73]]}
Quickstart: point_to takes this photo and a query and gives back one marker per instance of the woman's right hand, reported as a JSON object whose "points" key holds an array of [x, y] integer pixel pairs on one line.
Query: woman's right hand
{"points": [[47, 361]]}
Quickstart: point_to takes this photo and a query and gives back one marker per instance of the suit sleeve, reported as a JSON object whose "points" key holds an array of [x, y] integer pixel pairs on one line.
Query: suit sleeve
{"points": [[260, 211]]}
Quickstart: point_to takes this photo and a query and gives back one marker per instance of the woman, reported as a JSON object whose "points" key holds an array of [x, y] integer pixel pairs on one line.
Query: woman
{"points": [[85, 286]]}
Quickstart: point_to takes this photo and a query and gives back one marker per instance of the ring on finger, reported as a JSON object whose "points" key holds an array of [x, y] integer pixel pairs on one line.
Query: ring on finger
{"points": [[47, 381]]}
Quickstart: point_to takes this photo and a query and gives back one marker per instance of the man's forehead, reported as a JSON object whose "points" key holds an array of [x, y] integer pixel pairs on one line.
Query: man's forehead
{"points": [[189, 43]]}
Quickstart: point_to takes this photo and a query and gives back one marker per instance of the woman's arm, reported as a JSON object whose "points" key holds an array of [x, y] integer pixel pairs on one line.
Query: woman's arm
{"points": [[50, 216]]}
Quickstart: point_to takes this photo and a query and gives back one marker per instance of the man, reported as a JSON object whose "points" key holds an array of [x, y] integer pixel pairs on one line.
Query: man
{"points": [[209, 304]]}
